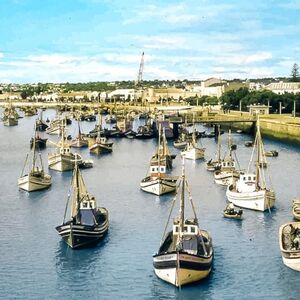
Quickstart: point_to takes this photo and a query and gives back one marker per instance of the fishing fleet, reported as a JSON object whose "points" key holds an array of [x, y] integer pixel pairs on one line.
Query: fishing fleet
{"points": [[186, 252]]}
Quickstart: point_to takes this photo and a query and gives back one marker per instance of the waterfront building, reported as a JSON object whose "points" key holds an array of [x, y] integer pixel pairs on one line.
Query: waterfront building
{"points": [[257, 109]]}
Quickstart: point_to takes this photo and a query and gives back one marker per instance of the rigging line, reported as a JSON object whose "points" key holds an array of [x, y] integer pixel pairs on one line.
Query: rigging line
{"points": [[66, 208], [252, 154], [192, 204], [236, 159], [40, 155], [171, 210], [191, 200], [24, 165]]}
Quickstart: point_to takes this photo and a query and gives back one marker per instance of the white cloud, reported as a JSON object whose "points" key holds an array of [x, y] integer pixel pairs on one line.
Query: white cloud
{"points": [[1, 55], [181, 14]]}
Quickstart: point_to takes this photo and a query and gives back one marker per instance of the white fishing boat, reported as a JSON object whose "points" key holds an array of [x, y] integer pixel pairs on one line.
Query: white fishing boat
{"points": [[289, 242], [36, 178], [63, 159], [227, 174], [157, 181], [250, 190], [185, 254], [192, 150]]}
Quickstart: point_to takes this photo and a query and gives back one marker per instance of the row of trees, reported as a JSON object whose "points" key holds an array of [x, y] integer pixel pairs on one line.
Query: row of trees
{"points": [[232, 99]]}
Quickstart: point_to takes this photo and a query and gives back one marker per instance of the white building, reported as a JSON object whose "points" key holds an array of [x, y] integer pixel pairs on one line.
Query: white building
{"points": [[258, 109], [284, 87], [123, 94]]}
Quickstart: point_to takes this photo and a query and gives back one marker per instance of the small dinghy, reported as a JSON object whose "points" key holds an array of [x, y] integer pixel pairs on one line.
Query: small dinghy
{"points": [[271, 153], [230, 212], [296, 209], [248, 143]]}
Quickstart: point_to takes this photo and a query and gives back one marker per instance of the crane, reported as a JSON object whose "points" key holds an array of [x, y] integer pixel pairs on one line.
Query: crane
{"points": [[140, 73]]}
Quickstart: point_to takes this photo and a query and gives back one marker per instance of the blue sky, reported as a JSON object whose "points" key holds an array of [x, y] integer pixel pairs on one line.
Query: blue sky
{"points": [[102, 40]]}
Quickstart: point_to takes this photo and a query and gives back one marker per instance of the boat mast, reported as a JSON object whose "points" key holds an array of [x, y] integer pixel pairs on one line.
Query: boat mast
{"points": [[33, 145], [76, 200], [219, 144], [258, 160], [194, 142], [230, 144], [181, 209]]}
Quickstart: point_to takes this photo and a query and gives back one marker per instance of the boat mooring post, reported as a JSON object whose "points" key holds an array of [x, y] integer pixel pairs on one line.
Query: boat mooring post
{"points": [[216, 129], [280, 107]]}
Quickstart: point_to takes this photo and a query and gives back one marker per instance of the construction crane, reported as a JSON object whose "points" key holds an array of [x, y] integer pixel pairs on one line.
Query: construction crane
{"points": [[141, 69]]}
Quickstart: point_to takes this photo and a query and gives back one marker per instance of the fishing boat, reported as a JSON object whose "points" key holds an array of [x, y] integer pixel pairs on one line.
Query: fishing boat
{"points": [[54, 126], [80, 141], [214, 165], [296, 209], [40, 124], [157, 181], [144, 132], [88, 223], [185, 254], [10, 116], [250, 191], [63, 159], [289, 242], [38, 141], [100, 145], [182, 140], [192, 150], [163, 152], [231, 213], [227, 174], [36, 179]]}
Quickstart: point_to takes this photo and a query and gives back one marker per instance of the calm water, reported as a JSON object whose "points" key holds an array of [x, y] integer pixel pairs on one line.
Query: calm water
{"points": [[35, 264]]}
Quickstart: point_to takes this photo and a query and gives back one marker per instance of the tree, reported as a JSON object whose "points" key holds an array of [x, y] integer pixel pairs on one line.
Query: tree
{"points": [[295, 73]]}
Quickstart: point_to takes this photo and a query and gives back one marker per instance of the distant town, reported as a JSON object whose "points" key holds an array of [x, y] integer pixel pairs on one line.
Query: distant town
{"points": [[278, 93]]}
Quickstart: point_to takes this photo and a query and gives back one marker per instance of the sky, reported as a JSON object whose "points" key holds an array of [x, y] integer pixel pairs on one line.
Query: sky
{"points": [[102, 40]]}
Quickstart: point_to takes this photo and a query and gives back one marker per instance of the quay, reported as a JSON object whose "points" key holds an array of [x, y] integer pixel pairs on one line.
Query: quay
{"points": [[283, 127]]}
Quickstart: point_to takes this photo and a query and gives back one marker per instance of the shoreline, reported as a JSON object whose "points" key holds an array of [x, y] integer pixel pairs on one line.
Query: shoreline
{"points": [[279, 127]]}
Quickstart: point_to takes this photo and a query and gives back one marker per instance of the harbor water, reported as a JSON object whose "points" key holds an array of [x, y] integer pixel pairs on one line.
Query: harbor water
{"points": [[36, 264]]}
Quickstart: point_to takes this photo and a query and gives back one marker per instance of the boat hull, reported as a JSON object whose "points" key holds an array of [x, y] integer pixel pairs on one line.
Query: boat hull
{"points": [[61, 162], [257, 200], [100, 148], [180, 269], [193, 153], [290, 257], [32, 183], [82, 236], [158, 186], [10, 122], [79, 144], [226, 178]]}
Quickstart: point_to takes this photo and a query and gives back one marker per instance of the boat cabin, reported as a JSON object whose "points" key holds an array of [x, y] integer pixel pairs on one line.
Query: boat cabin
{"points": [[155, 170], [87, 207], [227, 165], [246, 183], [189, 227], [65, 150]]}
